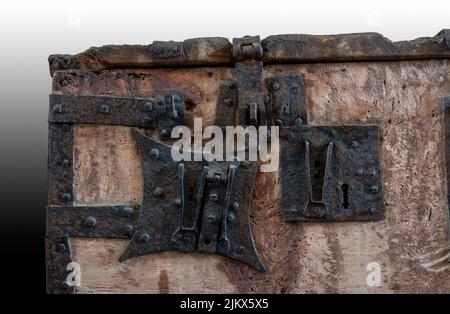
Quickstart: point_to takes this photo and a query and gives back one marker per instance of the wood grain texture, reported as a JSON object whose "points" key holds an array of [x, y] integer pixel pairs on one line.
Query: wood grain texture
{"points": [[292, 48], [405, 98]]}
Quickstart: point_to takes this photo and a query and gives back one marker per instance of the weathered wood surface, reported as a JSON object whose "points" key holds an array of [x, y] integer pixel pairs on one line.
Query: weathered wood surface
{"points": [[277, 49], [352, 47], [196, 51], [411, 244]]}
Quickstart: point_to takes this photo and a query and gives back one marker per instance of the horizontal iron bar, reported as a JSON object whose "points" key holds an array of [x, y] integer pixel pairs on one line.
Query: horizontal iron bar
{"points": [[131, 111], [109, 221]]}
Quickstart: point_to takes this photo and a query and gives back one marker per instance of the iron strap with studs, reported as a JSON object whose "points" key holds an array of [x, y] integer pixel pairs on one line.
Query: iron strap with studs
{"points": [[162, 111], [114, 221]]}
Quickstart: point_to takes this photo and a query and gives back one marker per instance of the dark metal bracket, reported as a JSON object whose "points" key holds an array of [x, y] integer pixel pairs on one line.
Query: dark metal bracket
{"points": [[331, 173], [286, 102], [112, 221], [167, 49], [58, 256], [247, 53], [162, 111], [194, 206]]}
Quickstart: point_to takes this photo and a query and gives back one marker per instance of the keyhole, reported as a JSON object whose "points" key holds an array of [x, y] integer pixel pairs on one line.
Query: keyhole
{"points": [[316, 169], [344, 188]]}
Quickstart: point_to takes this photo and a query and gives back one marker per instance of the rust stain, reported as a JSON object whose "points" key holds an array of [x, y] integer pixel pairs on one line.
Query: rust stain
{"points": [[278, 243], [334, 261], [163, 282]]}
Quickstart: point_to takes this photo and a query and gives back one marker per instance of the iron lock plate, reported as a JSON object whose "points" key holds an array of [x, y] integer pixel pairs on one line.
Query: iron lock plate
{"points": [[193, 206], [331, 173]]}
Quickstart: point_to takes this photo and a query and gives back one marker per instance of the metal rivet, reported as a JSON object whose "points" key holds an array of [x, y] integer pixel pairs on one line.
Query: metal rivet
{"points": [[127, 212], [228, 102], [57, 108], [355, 144], [148, 106], [163, 132], [178, 202], [154, 153], [188, 238], [360, 172], [148, 119], [176, 98], [298, 121], [66, 286], [279, 123], [212, 219], [66, 197], [129, 230], [266, 99], [275, 85], [231, 217], [374, 189], [66, 127], [372, 172], [293, 210], [90, 222], [144, 238], [372, 211], [245, 164], [236, 205], [160, 101], [104, 109], [66, 163], [158, 192], [61, 248], [213, 197]]}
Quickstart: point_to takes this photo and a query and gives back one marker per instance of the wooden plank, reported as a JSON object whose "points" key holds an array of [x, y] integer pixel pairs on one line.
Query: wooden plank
{"points": [[404, 98], [277, 49], [352, 47], [196, 51]]}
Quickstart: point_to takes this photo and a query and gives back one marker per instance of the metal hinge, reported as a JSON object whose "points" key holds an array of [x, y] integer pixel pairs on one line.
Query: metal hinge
{"points": [[194, 206], [247, 52]]}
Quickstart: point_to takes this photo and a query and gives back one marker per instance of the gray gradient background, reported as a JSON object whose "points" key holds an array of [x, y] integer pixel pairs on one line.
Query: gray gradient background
{"points": [[31, 30]]}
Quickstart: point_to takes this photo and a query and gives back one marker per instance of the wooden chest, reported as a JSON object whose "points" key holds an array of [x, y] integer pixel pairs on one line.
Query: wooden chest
{"points": [[356, 203]]}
